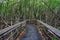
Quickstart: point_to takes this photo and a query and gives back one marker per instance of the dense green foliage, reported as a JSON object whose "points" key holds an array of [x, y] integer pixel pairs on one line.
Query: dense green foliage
{"points": [[45, 10], [38, 6]]}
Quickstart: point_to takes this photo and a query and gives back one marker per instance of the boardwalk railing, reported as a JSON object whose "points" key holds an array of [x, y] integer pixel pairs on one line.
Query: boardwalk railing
{"points": [[53, 30], [11, 32]]}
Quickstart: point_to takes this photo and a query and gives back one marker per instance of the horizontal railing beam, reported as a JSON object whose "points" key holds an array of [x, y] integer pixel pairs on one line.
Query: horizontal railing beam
{"points": [[10, 28], [51, 28]]}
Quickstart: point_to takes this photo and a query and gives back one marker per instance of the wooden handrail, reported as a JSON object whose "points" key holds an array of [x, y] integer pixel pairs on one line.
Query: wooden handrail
{"points": [[10, 28], [51, 28]]}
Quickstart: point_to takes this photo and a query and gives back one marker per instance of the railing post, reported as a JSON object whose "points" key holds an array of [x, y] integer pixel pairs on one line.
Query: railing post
{"points": [[50, 29], [9, 32]]}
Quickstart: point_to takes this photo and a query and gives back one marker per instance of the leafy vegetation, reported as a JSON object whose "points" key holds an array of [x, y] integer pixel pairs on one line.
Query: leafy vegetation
{"points": [[46, 10], [54, 38]]}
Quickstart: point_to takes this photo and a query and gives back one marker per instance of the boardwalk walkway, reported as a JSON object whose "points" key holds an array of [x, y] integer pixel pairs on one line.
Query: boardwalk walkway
{"points": [[31, 33]]}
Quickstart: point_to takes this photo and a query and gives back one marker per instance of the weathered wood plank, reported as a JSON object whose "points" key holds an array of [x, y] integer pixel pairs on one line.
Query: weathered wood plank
{"points": [[51, 28]]}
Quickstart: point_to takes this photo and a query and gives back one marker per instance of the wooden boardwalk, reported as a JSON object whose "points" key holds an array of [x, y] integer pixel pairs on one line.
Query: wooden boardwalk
{"points": [[31, 33]]}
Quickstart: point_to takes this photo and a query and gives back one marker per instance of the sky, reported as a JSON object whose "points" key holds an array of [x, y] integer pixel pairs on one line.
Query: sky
{"points": [[1, 1]]}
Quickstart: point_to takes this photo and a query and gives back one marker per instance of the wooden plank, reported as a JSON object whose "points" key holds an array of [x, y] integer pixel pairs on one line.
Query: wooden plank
{"points": [[51, 28], [10, 28]]}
